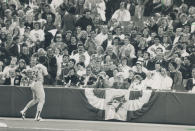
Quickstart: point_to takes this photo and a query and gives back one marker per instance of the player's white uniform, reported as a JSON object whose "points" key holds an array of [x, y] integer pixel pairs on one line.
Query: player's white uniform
{"points": [[38, 72], [36, 84]]}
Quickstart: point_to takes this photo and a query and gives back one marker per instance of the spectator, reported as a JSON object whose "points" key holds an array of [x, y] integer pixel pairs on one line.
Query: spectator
{"points": [[58, 42], [139, 10], [129, 47], [157, 44], [186, 70], [139, 69], [119, 82], [137, 83], [11, 78], [69, 20], [108, 66], [108, 41], [113, 56], [37, 35], [148, 63], [100, 38], [51, 66], [11, 66], [191, 81], [50, 23], [166, 81], [59, 57], [113, 78], [89, 78], [90, 45], [125, 68], [122, 14], [85, 20], [15, 48], [100, 9], [81, 51], [72, 47], [72, 78], [176, 76], [102, 81], [81, 69]]}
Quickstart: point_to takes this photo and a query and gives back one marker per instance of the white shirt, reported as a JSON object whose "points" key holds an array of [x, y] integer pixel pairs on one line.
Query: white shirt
{"points": [[7, 69], [101, 7], [137, 86], [125, 71], [36, 35], [100, 38], [193, 82], [87, 58], [154, 81], [134, 68], [184, 54], [109, 43], [193, 27], [166, 83], [59, 64], [12, 81], [159, 82], [21, 31], [155, 47], [111, 81], [122, 36], [130, 48], [55, 3], [176, 40], [81, 72], [121, 15]]}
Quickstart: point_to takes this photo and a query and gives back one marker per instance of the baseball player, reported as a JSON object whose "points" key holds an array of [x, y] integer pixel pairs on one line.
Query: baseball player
{"points": [[36, 78]]}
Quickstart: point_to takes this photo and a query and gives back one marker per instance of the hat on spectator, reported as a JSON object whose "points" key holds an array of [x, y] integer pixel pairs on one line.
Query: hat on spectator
{"points": [[140, 61], [22, 61], [138, 76], [8, 11], [36, 22], [58, 35], [69, 31], [157, 14], [183, 15]]}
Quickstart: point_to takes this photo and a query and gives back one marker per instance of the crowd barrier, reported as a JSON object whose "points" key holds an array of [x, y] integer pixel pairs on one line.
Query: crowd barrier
{"points": [[73, 103]]}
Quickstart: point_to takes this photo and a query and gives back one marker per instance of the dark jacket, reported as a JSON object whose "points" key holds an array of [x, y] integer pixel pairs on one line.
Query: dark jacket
{"points": [[177, 81], [14, 51], [83, 22], [17, 80], [74, 80], [150, 65], [190, 84], [68, 22], [105, 44], [52, 70]]}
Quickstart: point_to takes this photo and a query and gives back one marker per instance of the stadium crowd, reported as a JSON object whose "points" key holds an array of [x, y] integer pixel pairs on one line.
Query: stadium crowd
{"points": [[122, 44]]}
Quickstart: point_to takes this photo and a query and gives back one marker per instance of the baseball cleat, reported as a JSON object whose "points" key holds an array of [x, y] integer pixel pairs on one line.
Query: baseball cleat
{"points": [[23, 114]]}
